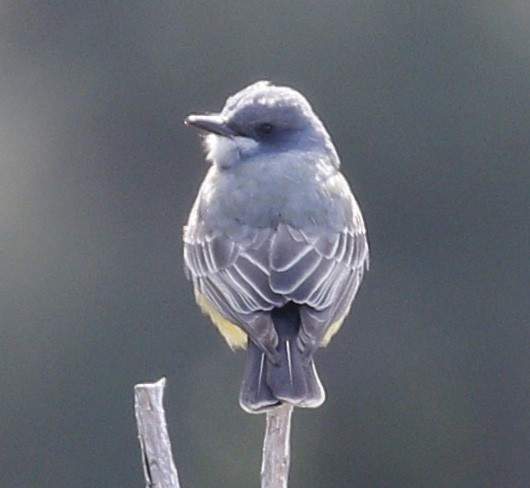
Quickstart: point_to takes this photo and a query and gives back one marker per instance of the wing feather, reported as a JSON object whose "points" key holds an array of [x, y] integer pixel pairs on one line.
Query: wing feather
{"points": [[245, 275], [288, 281]]}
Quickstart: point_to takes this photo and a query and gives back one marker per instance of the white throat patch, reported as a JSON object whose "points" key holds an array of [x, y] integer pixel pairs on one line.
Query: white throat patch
{"points": [[229, 151]]}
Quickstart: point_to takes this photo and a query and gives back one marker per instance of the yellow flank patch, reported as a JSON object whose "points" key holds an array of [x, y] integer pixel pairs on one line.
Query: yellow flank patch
{"points": [[333, 329], [233, 335]]}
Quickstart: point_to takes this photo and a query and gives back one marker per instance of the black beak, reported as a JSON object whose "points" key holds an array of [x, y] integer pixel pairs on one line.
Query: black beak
{"points": [[213, 123]]}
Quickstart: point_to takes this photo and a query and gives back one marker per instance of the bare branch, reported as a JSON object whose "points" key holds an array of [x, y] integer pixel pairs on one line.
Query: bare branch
{"points": [[159, 468], [276, 448]]}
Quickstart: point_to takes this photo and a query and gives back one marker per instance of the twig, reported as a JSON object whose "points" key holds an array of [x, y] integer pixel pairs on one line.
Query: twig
{"points": [[159, 468], [276, 448]]}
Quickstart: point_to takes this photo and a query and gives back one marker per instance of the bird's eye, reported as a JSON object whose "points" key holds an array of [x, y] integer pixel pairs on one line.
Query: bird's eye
{"points": [[264, 129]]}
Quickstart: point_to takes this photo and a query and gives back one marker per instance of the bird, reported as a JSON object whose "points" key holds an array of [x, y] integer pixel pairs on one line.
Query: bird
{"points": [[275, 244]]}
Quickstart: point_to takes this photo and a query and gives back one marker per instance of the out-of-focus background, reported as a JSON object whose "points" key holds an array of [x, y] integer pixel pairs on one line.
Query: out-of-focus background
{"points": [[428, 104]]}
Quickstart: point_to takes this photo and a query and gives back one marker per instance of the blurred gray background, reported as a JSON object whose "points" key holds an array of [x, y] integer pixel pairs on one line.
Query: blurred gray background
{"points": [[428, 104]]}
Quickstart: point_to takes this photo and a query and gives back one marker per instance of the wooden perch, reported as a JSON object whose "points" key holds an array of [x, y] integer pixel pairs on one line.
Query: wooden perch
{"points": [[276, 448], [159, 468]]}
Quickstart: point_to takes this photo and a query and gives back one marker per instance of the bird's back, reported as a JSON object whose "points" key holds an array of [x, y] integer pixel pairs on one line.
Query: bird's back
{"points": [[299, 189]]}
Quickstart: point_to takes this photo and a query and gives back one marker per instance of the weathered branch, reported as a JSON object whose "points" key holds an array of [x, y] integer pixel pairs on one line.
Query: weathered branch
{"points": [[159, 468], [276, 448]]}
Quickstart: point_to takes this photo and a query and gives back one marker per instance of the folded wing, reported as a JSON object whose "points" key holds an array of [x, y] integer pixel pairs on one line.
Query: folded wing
{"points": [[246, 276]]}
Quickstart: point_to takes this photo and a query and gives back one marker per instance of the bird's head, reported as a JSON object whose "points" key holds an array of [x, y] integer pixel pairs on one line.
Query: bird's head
{"points": [[262, 120]]}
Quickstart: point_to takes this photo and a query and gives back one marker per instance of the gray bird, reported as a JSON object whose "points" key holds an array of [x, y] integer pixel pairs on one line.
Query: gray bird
{"points": [[275, 243]]}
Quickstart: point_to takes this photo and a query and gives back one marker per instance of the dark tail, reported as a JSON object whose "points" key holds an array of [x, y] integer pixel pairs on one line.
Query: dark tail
{"points": [[293, 379]]}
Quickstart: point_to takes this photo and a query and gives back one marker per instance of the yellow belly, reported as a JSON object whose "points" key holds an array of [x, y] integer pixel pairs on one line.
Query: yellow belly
{"points": [[232, 334], [235, 337], [333, 329]]}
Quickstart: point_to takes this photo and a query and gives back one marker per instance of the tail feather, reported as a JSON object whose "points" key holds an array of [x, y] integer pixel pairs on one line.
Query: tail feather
{"points": [[292, 379], [256, 395]]}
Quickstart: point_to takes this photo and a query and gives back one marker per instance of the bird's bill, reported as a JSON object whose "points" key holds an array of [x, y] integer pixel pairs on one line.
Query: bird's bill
{"points": [[213, 123]]}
